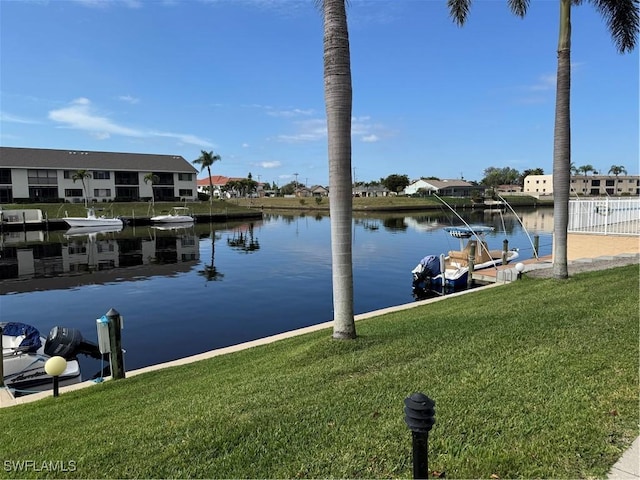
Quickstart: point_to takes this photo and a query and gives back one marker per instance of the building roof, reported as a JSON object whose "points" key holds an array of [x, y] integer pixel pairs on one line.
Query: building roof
{"points": [[11, 157], [440, 184], [216, 180]]}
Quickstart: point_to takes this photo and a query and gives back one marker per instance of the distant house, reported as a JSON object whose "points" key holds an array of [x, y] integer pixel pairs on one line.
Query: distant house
{"points": [[509, 189], [46, 175], [371, 191], [449, 188], [219, 181], [319, 191]]}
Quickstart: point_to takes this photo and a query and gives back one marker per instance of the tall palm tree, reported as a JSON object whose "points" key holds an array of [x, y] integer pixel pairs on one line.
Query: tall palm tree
{"points": [[82, 175], [617, 170], [153, 178], [205, 160], [621, 17], [338, 104]]}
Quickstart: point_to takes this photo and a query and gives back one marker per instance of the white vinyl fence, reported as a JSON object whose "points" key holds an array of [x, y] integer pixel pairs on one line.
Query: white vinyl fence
{"points": [[608, 216]]}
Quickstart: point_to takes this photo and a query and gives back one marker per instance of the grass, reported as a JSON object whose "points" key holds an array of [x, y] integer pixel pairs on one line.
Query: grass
{"points": [[244, 205], [535, 379]]}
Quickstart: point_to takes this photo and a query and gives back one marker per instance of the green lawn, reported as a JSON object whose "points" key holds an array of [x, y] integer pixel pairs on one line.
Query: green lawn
{"points": [[535, 379]]}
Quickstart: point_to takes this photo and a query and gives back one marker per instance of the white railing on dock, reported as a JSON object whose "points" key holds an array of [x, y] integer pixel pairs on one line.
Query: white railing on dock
{"points": [[608, 216]]}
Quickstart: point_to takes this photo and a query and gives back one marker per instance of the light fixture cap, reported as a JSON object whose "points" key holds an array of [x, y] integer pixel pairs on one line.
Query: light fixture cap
{"points": [[55, 366]]}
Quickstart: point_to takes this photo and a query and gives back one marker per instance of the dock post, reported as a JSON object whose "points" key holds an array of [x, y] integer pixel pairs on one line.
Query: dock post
{"points": [[1, 364], [115, 341], [536, 244], [472, 259], [505, 251]]}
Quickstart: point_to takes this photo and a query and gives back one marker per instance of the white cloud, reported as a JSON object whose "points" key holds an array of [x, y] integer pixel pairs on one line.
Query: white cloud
{"points": [[545, 82], [184, 138], [129, 99], [7, 117], [80, 115], [296, 112], [316, 129], [245, 145], [308, 131], [273, 164]]}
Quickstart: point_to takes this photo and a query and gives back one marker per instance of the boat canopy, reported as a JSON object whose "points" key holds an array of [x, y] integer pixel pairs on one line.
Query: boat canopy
{"points": [[31, 341], [464, 231]]}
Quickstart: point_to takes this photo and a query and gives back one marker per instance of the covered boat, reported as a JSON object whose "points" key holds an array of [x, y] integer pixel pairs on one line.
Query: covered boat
{"points": [[452, 270]]}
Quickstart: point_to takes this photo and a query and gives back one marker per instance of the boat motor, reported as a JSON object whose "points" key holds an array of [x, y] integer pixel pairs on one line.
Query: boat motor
{"points": [[68, 343]]}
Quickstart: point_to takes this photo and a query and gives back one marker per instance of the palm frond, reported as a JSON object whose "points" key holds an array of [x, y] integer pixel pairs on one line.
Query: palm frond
{"points": [[518, 7], [622, 20], [459, 10]]}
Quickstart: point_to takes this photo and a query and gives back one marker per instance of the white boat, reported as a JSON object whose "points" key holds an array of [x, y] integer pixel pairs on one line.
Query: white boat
{"points": [[452, 270], [25, 351], [92, 220], [175, 215]]}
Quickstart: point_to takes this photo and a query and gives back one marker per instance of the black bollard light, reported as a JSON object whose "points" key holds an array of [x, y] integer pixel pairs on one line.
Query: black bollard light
{"points": [[419, 413]]}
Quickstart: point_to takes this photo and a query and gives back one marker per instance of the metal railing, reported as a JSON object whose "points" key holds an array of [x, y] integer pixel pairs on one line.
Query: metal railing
{"points": [[607, 216]]}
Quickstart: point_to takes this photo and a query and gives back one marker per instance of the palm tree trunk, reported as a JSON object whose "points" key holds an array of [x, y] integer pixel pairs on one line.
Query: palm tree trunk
{"points": [[210, 186], [338, 100], [562, 145]]}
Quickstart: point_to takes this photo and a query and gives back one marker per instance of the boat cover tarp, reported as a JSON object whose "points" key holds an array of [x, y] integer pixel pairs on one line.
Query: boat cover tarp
{"points": [[430, 266], [31, 341]]}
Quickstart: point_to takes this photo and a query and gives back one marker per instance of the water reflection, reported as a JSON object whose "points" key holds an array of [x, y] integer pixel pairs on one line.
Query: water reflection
{"points": [[31, 261]]}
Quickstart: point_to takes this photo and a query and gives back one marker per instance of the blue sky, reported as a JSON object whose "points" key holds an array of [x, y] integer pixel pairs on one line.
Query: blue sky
{"points": [[244, 78]]}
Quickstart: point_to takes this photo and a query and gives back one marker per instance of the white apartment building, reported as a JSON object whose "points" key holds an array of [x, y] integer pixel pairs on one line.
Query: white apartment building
{"points": [[45, 175]]}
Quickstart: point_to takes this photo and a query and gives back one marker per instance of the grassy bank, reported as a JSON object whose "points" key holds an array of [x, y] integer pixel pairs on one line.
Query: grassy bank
{"points": [[536, 379], [242, 205]]}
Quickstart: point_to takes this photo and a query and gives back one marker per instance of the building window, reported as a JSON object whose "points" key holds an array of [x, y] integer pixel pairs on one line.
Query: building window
{"points": [[186, 177], [164, 178], [595, 183], [185, 192], [101, 175], [609, 183], [126, 178], [68, 174], [101, 192], [6, 195], [42, 177], [5, 176], [73, 192]]}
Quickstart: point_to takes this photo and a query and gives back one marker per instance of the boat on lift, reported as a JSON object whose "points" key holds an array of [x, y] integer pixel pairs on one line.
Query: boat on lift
{"points": [[452, 270]]}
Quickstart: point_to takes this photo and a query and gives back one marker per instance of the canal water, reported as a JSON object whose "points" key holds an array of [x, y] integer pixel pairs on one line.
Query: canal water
{"points": [[190, 290]]}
